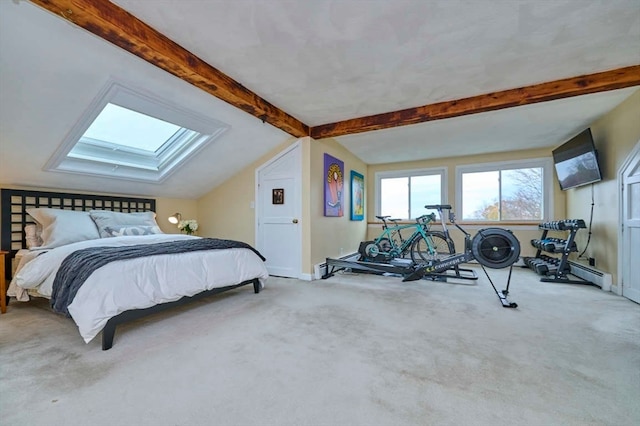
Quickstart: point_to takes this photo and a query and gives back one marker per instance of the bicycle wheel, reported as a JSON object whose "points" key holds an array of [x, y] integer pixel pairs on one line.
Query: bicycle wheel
{"points": [[377, 251], [435, 247], [384, 244]]}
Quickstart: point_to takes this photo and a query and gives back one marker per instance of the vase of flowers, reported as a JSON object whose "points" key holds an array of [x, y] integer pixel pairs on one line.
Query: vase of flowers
{"points": [[189, 226]]}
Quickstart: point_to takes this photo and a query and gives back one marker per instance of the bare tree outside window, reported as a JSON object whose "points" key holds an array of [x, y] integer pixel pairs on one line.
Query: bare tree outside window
{"points": [[521, 193], [526, 203]]}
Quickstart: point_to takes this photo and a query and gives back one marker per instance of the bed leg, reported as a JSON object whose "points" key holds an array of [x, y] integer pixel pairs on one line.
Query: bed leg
{"points": [[256, 286], [108, 332]]}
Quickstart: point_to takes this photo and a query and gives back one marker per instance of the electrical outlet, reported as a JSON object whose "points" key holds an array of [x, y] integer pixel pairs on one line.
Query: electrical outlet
{"points": [[592, 261]]}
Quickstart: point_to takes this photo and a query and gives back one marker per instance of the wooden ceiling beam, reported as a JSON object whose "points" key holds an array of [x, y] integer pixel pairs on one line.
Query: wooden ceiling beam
{"points": [[114, 24], [575, 86]]}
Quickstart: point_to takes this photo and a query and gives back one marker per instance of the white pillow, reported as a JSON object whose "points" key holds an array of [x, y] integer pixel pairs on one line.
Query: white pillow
{"points": [[105, 218], [33, 235], [61, 227]]}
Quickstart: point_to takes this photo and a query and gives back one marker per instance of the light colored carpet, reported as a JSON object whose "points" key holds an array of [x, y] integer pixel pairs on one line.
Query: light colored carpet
{"points": [[350, 350]]}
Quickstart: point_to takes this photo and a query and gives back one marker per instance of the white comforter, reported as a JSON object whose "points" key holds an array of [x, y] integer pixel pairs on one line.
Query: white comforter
{"points": [[138, 283]]}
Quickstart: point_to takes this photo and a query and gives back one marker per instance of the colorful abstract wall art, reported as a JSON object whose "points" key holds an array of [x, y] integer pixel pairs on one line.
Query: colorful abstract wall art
{"points": [[333, 186], [357, 196]]}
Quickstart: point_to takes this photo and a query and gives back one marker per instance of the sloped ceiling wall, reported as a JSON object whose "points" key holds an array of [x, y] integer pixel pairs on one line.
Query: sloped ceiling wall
{"points": [[51, 71]]}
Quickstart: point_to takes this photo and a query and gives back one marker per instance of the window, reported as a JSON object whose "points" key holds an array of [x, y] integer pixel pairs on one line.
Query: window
{"points": [[403, 194], [509, 191], [129, 135]]}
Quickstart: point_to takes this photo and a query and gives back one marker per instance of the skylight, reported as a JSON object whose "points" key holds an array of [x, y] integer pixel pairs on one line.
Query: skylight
{"points": [[127, 128], [129, 135]]}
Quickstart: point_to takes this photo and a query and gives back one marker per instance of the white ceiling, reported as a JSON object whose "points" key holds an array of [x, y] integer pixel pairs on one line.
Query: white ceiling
{"points": [[527, 127], [320, 61], [329, 60]]}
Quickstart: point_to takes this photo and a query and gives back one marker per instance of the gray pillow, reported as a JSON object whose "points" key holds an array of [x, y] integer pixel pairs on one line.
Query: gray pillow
{"points": [[104, 219], [132, 230]]}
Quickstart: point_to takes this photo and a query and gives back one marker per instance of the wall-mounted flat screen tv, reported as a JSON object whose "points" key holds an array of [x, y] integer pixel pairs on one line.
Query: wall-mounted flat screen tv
{"points": [[576, 161]]}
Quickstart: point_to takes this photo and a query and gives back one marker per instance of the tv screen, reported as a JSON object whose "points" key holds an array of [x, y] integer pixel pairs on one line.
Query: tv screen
{"points": [[576, 161]]}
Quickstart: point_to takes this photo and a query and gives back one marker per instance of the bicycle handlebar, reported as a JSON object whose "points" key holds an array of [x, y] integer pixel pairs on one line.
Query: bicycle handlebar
{"points": [[440, 207], [426, 218]]}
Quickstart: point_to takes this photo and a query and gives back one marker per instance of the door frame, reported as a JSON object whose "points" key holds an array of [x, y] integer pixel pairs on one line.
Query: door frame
{"points": [[297, 145], [622, 214]]}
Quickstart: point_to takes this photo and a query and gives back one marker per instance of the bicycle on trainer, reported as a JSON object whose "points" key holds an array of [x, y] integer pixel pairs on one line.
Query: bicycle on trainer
{"points": [[422, 245]]}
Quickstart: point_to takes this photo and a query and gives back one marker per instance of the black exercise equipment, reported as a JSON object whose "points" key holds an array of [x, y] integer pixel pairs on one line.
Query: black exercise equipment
{"points": [[556, 269], [494, 248]]}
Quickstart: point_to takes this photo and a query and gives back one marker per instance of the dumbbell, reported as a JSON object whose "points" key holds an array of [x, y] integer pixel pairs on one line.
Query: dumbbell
{"points": [[531, 262], [547, 244], [553, 245], [538, 265], [554, 269], [574, 224], [542, 268], [547, 259]]}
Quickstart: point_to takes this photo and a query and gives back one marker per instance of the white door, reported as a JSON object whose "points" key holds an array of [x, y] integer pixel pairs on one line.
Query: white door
{"points": [[631, 226], [279, 204]]}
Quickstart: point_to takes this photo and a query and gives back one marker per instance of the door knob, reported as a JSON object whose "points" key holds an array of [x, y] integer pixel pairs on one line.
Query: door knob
{"points": [[295, 220]]}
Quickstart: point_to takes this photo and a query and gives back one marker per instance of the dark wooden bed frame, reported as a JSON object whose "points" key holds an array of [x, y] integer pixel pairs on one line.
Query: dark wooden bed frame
{"points": [[14, 217]]}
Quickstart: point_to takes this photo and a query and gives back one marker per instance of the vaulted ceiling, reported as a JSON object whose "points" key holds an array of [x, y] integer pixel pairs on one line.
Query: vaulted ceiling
{"points": [[391, 81]]}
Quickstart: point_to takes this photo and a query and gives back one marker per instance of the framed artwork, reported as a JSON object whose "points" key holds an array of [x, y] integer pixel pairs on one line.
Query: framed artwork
{"points": [[277, 196], [333, 186], [357, 196]]}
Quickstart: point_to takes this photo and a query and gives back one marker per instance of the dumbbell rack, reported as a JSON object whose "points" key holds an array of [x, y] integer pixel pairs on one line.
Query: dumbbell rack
{"points": [[555, 269]]}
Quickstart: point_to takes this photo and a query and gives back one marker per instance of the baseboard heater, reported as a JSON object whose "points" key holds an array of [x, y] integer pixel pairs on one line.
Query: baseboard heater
{"points": [[599, 278], [320, 269]]}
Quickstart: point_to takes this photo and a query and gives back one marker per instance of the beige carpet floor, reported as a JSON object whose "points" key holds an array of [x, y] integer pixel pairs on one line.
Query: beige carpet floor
{"points": [[350, 350]]}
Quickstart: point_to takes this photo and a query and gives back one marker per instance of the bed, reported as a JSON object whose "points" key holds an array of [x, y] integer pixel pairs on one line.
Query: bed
{"points": [[120, 270]]}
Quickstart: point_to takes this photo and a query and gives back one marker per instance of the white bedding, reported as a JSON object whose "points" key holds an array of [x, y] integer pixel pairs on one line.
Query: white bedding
{"points": [[138, 283]]}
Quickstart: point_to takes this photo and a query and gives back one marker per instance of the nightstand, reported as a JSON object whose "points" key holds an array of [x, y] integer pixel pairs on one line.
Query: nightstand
{"points": [[3, 284]]}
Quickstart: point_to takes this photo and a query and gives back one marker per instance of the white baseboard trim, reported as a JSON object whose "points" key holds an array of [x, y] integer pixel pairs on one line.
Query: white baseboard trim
{"points": [[305, 277], [602, 279]]}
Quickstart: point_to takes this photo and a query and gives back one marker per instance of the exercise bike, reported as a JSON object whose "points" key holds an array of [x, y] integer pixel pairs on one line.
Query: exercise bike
{"points": [[494, 248]]}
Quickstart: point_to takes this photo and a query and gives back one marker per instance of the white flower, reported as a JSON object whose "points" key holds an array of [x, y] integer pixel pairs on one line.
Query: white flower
{"points": [[189, 226]]}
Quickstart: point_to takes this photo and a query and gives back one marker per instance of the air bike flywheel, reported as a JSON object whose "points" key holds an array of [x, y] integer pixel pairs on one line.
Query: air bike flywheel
{"points": [[495, 248]]}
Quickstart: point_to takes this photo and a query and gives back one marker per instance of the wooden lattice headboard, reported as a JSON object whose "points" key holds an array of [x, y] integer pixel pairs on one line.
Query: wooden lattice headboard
{"points": [[14, 217]]}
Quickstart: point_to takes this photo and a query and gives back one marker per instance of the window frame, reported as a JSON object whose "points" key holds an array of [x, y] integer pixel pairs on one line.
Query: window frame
{"points": [[391, 174], [154, 168], [547, 185]]}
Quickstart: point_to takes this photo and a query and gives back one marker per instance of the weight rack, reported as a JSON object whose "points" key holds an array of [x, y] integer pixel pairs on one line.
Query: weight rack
{"points": [[556, 269]]}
